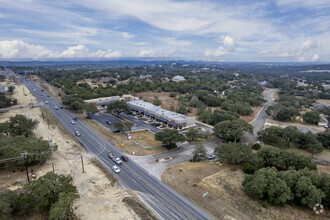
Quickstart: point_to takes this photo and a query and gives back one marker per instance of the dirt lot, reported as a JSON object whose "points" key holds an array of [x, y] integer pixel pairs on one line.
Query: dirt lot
{"points": [[323, 101], [167, 101], [271, 122], [226, 198], [117, 139]]}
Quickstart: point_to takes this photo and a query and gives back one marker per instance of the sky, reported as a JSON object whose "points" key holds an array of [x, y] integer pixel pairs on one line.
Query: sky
{"points": [[210, 30]]}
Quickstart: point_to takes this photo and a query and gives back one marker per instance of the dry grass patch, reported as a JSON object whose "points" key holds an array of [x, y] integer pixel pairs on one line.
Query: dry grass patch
{"points": [[139, 208], [145, 138], [167, 101], [117, 139], [226, 198]]}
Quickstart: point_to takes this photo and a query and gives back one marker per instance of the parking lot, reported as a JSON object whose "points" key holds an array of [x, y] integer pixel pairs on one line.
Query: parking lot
{"points": [[102, 118]]}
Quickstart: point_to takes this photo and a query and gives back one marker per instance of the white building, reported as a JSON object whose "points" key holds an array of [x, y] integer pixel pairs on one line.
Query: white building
{"points": [[172, 119], [178, 78]]}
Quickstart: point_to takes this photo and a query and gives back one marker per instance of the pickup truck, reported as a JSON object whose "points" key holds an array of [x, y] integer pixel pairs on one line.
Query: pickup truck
{"points": [[111, 155]]}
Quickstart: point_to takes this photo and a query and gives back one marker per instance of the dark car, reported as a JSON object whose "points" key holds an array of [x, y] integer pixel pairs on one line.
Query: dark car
{"points": [[75, 118], [124, 158], [109, 122], [61, 107]]}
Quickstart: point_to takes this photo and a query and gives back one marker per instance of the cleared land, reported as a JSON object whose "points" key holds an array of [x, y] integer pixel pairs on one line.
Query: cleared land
{"points": [[226, 198], [145, 138], [167, 101], [117, 139], [100, 197]]}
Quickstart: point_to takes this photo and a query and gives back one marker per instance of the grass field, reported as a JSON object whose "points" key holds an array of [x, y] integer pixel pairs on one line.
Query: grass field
{"points": [[145, 138]]}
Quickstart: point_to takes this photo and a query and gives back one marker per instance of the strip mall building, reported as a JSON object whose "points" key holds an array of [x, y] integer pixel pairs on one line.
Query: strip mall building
{"points": [[172, 119]]}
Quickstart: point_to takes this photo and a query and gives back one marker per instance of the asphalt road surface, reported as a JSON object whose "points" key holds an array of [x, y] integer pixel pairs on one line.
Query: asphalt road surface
{"points": [[259, 122], [166, 202]]}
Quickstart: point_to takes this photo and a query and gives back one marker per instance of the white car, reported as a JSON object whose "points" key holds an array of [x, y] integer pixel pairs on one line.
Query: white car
{"points": [[72, 122], [55, 107], [46, 102], [77, 133], [51, 98], [117, 160], [115, 169]]}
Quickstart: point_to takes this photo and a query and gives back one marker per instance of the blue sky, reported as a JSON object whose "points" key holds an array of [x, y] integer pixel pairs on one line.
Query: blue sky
{"points": [[215, 30]]}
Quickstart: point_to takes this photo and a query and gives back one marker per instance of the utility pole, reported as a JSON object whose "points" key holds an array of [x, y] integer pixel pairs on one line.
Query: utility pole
{"points": [[25, 163], [32, 102], [52, 149], [82, 163]]}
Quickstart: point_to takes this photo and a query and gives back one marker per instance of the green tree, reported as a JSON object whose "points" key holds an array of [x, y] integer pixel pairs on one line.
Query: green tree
{"points": [[264, 184], [47, 192], [19, 125], [193, 134], [90, 109], [182, 109], [232, 130], [157, 101], [234, 153], [128, 125], [169, 137], [119, 125], [118, 107], [282, 113], [63, 207], [324, 138], [308, 194], [5, 205], [199, 151], [312, 117], [290, 134]]}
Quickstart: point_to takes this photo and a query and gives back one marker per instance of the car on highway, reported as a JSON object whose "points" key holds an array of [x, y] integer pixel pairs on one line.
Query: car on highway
{"points": [[61, 107], [77, 133], [109, 122], [75, 118], [34, 89], [117, 160], [47, 95], [72, 122], [55, 107], [46, 102], [51, 98], [124, 158], [115, 169]]}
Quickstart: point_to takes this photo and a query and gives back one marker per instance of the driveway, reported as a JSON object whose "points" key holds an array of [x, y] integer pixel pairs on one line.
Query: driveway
{"points": [[178, 155]]}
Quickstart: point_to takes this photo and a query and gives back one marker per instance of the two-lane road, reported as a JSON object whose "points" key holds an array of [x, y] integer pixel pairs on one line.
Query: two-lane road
{"points": [[165, 201]]}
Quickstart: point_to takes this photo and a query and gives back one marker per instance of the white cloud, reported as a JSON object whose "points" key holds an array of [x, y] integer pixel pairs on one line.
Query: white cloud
{"points": [[315, 58], [228, 42], [309, 44], [228, 47], [301, 53], [16, 50], [127, 35], [152, 53]]}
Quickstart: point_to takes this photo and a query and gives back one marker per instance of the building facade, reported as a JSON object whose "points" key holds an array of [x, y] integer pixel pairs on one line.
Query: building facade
{"points": [[172, 119]]}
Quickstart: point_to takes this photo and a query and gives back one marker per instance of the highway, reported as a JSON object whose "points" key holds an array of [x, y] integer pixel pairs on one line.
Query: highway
{"points": [[162, 199]]}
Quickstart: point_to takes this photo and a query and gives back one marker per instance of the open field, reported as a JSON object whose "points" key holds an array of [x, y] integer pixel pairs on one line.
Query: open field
{"points": [[226, 198], [145, 138], [100, 197], [271, 122], [167, 101], [323, 101], [117, 139]]}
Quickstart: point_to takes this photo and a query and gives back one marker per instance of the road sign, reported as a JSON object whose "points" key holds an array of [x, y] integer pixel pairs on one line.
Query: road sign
{"points": [[205, 194], [122, 145]]}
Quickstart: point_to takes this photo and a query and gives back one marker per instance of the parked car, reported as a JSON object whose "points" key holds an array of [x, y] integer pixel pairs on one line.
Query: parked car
{"points": [[72, 122], [117, 160], [124, 158], [210, 156], [326, 126], [115, 169], [77, 133], [109, 122]]}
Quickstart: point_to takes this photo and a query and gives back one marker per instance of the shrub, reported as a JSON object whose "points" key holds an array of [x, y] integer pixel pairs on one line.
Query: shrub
{"points": [[256, 146]]}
